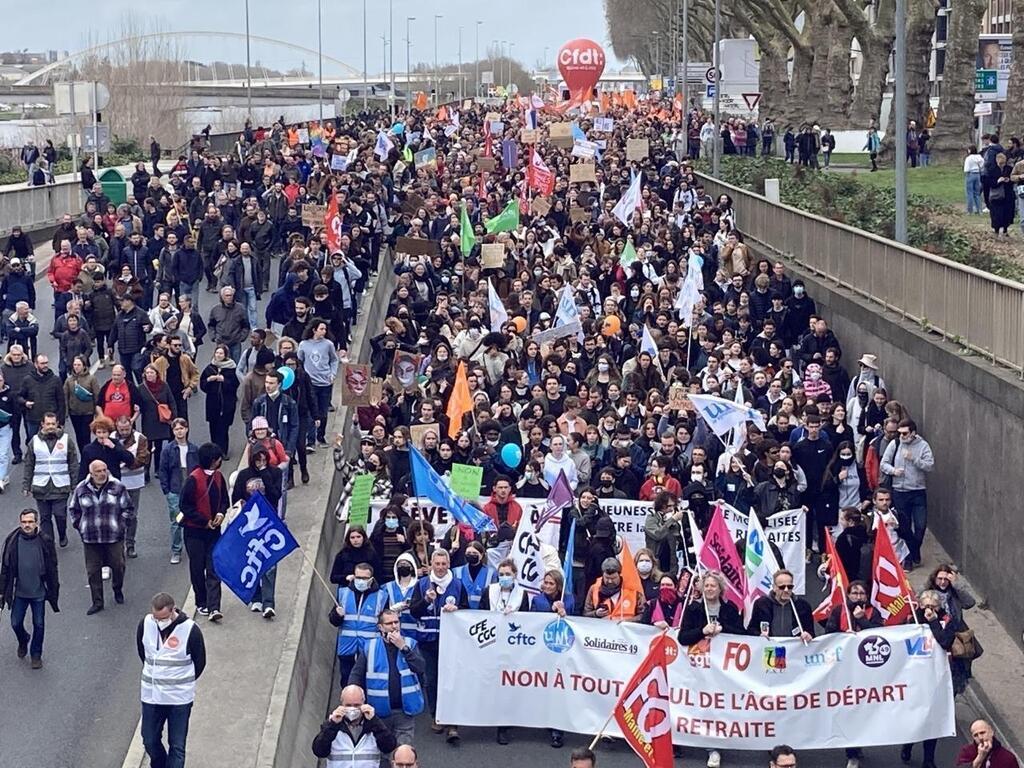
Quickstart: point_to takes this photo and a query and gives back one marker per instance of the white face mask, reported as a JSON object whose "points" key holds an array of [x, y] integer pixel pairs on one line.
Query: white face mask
{"points": [[164, 623], [352, 714]]}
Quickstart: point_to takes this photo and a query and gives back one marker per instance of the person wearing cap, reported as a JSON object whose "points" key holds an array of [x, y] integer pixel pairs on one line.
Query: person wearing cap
{"points": [[204, 503], [17, 286], [867, 374], [609, 598]]}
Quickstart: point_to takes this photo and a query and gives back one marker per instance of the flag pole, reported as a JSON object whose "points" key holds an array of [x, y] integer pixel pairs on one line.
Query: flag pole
{"points": [[327, 586], [799, 624]]}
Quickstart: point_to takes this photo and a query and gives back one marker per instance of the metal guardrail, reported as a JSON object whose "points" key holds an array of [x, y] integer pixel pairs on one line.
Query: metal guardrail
{"points": [[979, 311]]}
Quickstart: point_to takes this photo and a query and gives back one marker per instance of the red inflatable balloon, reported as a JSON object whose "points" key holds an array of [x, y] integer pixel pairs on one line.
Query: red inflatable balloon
{"points": [[581, 63]]}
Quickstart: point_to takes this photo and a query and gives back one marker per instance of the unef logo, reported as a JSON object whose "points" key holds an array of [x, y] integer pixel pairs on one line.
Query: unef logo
{"points": [[775, 658], [736, 655], [484, 633]]}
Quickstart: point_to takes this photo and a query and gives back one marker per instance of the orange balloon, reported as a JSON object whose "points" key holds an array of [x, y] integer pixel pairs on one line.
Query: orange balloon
{"points": [[611, 325], [520, 323]]}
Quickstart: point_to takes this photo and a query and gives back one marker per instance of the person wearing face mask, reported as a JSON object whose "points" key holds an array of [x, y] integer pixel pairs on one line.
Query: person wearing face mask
{"points": [[532, 485], [388, 538], [355, 615], [650, 574], [353, 736], [844, 484], [663, 533], [907, 462], [399, 592], [778, 493], [173, 655], [606, 486]]}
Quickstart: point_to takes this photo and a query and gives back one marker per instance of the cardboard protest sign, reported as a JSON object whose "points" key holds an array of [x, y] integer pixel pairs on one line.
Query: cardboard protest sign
{"points": [[417, 433], [582, 172], [578, 214], [412, 203], [355, 378], [560, 134], [492, 255], [637, 149], [486, 164], [541, 206], [313, 215], [529, 136], [416, 246]]}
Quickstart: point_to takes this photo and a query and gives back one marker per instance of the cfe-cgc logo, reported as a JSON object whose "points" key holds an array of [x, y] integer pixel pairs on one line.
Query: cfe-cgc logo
{"points": [[874, 651], [775, 658], [558, 636], [484, 632]]}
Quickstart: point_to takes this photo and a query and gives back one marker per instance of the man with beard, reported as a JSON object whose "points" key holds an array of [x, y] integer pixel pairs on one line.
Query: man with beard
{"points": [[181, 374], [51, 462]]}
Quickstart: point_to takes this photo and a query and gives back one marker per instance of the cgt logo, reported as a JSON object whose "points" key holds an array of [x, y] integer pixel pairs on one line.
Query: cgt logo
{"points": [[920, 647], [874, 651], [484, 633], [517, 637], [775, 658]]}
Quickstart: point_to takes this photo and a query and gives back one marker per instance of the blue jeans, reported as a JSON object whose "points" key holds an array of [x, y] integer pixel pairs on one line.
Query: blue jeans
{"points": [[6, 436], [172, 513], [250, 306], [265, 589], [18, 611], [972, 190], [321, 406], [153, 718], [912, 512]]}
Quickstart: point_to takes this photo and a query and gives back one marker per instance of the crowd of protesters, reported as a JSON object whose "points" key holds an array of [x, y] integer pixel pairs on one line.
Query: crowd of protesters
{"points": [[129, 281]]}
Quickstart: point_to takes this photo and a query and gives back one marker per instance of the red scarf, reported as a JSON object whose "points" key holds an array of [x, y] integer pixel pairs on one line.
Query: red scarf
{"points": [[203, 506]]}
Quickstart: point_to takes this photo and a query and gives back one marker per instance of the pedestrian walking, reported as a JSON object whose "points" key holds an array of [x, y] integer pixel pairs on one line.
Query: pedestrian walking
{"points": [[219, 382], [178, 459], [203, 504], [353, 736], [100, 509], [29, 580], [51, 462], [133, 474], [173, 654]]}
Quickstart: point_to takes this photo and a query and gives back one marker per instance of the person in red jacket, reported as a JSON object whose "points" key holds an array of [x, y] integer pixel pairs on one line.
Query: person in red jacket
{"points": [[660, 480], [62, 273], [502, 507], [985, 749]]}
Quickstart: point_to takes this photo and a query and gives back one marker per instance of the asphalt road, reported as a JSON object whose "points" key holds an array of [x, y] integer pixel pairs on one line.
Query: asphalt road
{"points": [[81, 708]]}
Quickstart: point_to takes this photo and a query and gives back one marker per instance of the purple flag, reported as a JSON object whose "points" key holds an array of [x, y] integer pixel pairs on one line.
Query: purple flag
{"points": [[509, 153], [559, 497]]}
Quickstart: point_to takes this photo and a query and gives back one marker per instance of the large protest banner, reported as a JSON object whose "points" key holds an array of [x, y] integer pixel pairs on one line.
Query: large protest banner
{"points": [[884, 686], [786, 530]]}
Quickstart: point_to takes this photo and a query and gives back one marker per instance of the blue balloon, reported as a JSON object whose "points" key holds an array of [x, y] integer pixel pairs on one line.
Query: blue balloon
{"points": [[511, 455], [398, 129], [287, 376]]}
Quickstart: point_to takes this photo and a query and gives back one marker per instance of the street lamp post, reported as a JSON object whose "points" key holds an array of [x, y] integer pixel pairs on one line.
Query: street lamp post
{"points": [[686, 59], [320, 53], [899, 122], [511, 45], [391, 38], [461, 93], [248, 64], [408, 65], [476, 89], [437, 70], [366, 82], [717, 63]]}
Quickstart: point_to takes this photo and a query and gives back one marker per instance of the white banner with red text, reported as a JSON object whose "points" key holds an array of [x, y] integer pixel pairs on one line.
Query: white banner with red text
{"points": [[888, 686]]}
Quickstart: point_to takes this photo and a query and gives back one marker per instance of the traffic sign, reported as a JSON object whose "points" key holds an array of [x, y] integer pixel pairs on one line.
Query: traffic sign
{"points": [[88, 140], [695, 69], [709, 91], [986, 80], [709, 75], [752, 100]]}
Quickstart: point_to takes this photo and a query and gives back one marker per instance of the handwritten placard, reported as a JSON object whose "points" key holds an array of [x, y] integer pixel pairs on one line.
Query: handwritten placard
{"points": [[637, 149], [581, 172], [313, 215], [492, 255]]}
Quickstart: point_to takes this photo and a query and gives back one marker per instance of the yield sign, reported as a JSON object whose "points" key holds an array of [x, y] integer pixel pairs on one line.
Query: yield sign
{"points": [[752, 100]]}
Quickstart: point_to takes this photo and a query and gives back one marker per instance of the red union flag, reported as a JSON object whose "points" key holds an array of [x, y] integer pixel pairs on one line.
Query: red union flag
{"points": [[840, 585], [642, 711], [890, 591], [332, 225], [539, 176]]}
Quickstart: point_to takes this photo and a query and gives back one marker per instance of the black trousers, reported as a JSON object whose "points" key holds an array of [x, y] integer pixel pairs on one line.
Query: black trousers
{"points": [[199, 543]]}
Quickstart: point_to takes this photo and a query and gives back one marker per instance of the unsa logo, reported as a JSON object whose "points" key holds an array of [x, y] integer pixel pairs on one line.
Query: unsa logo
{"points": [[874, 651]]}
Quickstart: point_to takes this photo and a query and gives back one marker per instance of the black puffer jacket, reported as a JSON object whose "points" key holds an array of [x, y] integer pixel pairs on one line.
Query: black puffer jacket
{"points": [[9, 570]]}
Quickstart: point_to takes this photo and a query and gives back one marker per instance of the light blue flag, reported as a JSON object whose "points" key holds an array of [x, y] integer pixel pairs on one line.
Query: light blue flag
{"points": [[426, 482], [577, 132], [567, 565]]}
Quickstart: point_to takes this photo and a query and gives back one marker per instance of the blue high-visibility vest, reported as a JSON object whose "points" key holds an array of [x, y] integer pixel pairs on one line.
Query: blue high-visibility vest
{"points": [[430, 623], [360, 622], [377, 675], [409, 625], [475, 587]]}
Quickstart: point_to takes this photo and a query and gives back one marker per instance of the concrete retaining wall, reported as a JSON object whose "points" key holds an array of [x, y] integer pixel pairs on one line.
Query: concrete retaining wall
{"points": [[972, 414], [36, 208], [305, 690]]}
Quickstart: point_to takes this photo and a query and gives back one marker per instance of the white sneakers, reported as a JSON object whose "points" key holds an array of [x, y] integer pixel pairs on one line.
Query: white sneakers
{"points": [[269, 613], [256, 607], [175, 558], [714, 759], [853, 762]]}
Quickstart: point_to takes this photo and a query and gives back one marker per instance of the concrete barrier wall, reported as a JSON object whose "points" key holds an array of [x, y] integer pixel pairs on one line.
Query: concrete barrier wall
{"points": [[970, 411], [307, 688], [36, 208]]}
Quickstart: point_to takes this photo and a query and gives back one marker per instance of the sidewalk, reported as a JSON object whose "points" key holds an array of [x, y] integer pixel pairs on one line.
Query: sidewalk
{"points": [[64, 178], [995, 689]]}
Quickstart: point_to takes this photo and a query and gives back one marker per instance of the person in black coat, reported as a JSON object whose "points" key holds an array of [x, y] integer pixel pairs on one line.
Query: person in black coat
{"points": [[712, 615], [219, 382], [28, 535], [301, 391], [154, 392], [857, 611], [781, 613], [356, 549], [102, 448], [850, 544]]}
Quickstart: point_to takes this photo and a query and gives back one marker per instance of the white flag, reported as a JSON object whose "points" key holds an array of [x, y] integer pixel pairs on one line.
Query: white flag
{"points": [[738, 433], [686, 300], [567, 311], [647, 343], [722, 415], [760, 564], [629, 202], [499, 315], [384, 146], [527, 556]]}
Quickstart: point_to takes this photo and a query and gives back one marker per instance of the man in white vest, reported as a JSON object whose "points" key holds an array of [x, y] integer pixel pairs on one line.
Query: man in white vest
{"points": [[51, 460], [173, 656], [353, 736], [133, 476]]}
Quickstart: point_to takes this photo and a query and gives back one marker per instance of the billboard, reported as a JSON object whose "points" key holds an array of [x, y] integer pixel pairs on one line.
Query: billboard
{"points": [[995, 52]]}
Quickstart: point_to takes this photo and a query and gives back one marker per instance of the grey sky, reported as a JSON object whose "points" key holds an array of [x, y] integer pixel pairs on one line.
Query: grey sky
{"points": [[533, 25]]}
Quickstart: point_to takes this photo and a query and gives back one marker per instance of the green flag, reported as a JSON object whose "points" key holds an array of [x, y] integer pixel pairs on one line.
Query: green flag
{"points": [[628, 255], [466, 237], [407, 155], [506, 221]]}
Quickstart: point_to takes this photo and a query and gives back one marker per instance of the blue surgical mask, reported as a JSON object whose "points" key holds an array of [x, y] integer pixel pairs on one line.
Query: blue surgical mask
{"points": [[391, 523], [361, 585], [506, 582]]}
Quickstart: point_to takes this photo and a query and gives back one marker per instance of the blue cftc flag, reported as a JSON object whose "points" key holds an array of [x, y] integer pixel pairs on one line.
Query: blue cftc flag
{"points": [[426, 482], [253, 543]]}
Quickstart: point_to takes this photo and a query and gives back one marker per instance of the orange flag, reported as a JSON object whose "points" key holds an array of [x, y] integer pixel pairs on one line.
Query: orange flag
{"points": [[421, 101], [606, 103], [460, 403], [629, 99], [442, 114], [632, 588]]}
